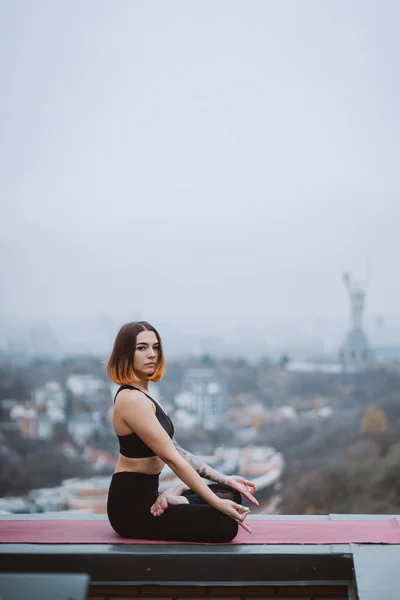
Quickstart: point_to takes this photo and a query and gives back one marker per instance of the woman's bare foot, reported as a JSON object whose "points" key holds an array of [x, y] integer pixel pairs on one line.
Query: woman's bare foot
{"points": [[165, 500]]}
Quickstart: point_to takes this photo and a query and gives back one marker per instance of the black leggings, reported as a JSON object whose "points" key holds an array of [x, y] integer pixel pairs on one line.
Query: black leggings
{"points": [[131, 496]]}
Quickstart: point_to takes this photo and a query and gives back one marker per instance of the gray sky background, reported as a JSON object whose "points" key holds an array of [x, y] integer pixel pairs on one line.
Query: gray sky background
{"points": [[212, 164]]}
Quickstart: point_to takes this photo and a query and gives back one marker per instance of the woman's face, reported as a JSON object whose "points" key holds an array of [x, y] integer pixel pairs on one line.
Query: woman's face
{"points": [[146, 354]]}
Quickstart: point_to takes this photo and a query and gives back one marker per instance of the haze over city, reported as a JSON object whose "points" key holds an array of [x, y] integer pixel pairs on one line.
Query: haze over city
{"points": [[226, 170], [213, 167]]}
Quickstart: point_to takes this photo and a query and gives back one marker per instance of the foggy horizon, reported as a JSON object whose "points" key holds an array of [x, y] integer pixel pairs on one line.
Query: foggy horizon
{"points": [[214, 165]]}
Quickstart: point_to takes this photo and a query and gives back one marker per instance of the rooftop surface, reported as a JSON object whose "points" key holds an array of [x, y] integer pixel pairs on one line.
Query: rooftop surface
{"points": [[369, 570]]}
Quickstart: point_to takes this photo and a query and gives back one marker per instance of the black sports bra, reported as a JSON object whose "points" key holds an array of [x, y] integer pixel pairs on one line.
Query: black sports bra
{"points": [[130, 445]]}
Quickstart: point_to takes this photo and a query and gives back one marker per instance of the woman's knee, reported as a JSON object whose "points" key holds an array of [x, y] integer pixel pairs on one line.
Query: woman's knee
{"points": [[234, 494], [231, 532], [225, 491], [237, 497]]}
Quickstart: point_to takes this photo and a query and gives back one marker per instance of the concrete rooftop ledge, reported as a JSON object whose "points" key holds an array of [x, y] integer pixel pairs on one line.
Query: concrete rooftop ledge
{"points": [[368, 571]]}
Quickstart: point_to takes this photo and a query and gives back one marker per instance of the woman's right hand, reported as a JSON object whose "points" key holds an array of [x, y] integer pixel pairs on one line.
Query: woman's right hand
{"points": [[235, 511]]}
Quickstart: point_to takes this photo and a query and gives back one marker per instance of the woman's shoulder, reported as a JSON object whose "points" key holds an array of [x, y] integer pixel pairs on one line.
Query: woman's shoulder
{"points": [[131, 397]]}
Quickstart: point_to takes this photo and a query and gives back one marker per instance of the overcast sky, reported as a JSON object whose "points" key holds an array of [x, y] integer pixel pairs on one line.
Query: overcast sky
{"points": [[214, 162]]}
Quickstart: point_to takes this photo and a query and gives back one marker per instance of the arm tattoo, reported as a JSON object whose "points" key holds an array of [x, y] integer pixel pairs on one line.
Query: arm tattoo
{"points": [[202, 469]]}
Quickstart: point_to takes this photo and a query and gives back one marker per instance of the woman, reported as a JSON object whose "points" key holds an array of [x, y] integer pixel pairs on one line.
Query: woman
{"points": [[191, 511]]}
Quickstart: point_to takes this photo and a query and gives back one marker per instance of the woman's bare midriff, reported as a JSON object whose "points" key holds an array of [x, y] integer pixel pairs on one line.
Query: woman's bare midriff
{"points": [[149, 466]]}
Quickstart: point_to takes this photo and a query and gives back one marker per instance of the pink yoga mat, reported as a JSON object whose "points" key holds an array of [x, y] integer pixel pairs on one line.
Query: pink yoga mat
{"points": [[264, 532]]}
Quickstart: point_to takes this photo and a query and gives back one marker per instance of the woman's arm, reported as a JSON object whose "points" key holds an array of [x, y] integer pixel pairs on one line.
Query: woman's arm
{"points": [[137, 411], [236, 482], [200, 466]]}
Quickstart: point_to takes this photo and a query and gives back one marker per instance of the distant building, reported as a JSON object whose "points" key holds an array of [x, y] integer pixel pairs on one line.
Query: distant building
{"points": [[32, 424], [50, 394], [28, 424], [99, 458], [93, 392], [45, 426], [8, 425], [84, 385], [81, 427], [203, 394]]}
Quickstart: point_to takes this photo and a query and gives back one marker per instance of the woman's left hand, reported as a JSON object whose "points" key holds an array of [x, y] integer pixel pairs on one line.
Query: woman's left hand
{"points": [[242, 485]]}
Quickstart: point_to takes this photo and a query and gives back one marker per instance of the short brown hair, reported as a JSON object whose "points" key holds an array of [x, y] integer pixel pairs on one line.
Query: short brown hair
{"points": [[120, 364]]}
